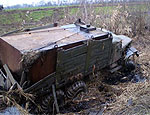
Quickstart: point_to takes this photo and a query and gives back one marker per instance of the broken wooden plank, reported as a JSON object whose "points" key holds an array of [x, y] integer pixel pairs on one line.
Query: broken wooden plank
{"points": [[23, 78], [55, 98], [2, 74], [2, 83], [10, 77], [50, 79], [88, 56]]}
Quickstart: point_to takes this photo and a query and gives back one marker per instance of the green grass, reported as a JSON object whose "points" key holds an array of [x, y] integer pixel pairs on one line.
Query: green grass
{"points": [[11, 18], [106, 9], [44, 7], [74, 11], [38, 15], [15, 17], [142, 7]]}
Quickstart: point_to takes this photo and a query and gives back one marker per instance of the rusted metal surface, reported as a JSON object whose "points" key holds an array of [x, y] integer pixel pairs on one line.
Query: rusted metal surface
{"points": [[29, 29], [41, 38], [10, 56], [13, 48], [43, 66]]}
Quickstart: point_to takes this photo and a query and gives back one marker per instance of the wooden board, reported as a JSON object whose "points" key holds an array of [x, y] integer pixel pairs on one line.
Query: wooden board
{"points": [[81, 59], [98, 54], [70, 61]]}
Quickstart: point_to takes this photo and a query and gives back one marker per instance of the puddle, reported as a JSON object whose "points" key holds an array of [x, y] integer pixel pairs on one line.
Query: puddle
{"points": [[10, 111], [130, 102], [137, 78], [126, 77], [96, 112]]}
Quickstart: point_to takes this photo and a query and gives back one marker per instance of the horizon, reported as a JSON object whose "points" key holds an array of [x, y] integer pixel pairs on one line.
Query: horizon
{"points": [[7, 3]]}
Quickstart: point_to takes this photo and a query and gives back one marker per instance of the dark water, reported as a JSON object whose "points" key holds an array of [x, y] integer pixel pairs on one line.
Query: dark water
{"points": [[137, 78], [122, 78]]}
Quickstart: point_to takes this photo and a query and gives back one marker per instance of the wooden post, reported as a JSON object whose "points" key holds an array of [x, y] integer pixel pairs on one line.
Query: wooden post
{"points": [[10, 77], [55, 98]]}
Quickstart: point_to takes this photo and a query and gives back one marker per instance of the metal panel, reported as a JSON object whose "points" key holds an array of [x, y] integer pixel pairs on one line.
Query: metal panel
{"points": [[38, 39], [10, 56], [43, 66]]}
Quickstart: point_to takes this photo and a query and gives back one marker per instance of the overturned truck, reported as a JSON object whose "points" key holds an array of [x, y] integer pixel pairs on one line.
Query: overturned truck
{"points": [[52, 62]]}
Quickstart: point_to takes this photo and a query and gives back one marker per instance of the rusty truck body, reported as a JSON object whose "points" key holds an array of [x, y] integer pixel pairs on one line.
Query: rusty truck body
{"points": [[61, 57]]}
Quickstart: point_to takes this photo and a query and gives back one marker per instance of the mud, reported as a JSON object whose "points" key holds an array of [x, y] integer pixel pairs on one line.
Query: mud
{"points": [[75, 107], [106, 95], [83, 107], [117, 78], [101, 93]]}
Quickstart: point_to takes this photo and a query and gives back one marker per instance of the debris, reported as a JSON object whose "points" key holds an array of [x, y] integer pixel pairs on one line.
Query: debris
{"points": [[10, 77]]}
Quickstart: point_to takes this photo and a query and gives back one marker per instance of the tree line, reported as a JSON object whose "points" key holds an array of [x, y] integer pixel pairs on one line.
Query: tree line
{"points": [[68, 2]]}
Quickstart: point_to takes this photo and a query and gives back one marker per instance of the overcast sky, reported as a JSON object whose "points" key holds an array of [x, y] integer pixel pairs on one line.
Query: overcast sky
{"points": [[14, 2]]}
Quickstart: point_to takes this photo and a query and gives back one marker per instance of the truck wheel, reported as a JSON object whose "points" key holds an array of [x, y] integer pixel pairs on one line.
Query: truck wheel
{"points": [[130, 66], [75, 89], [48, 102]]}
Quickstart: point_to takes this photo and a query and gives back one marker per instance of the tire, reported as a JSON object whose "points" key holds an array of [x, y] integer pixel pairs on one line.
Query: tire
{"points": [[130, 66], [75, 89], [48, 102]]}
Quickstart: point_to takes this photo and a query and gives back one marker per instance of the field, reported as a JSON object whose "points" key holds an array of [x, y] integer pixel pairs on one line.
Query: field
{"points": [[107, 96], [30, 17]]}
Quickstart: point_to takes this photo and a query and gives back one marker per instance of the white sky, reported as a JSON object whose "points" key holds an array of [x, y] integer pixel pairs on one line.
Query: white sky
{"points": [[14, 2]]}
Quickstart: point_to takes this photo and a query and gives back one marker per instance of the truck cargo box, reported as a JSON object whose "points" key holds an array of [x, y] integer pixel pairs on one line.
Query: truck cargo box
{"points": [[37, 52]]}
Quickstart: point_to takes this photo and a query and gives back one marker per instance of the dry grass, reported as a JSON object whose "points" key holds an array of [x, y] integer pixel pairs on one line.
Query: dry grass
{"points": [[14, 97]]}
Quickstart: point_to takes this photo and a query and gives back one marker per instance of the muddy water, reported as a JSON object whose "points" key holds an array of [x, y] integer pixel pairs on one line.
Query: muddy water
{"points": [[137, 78], [126, 77]]}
